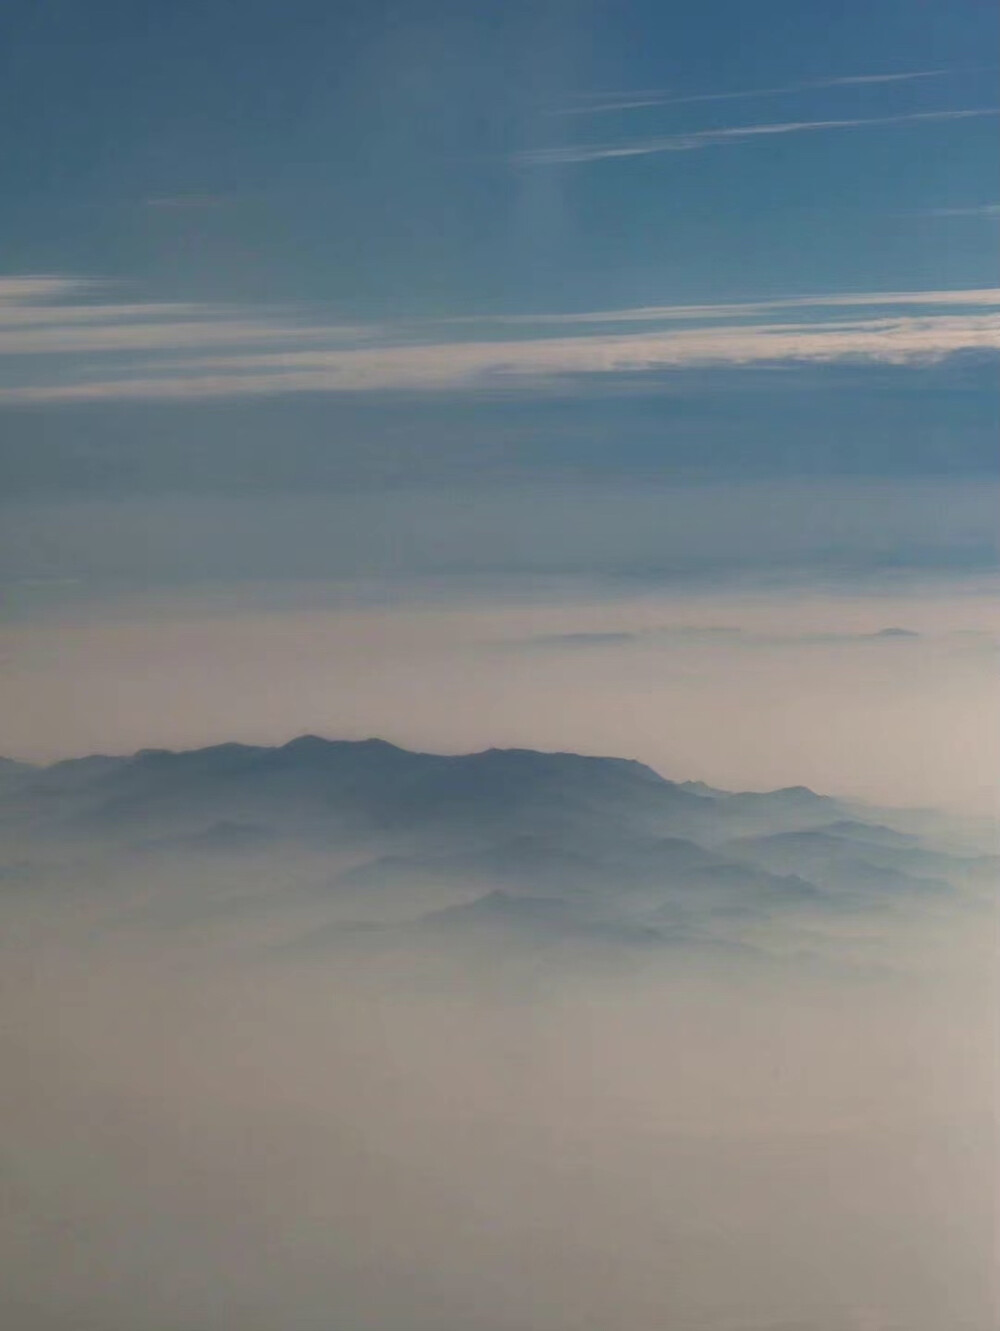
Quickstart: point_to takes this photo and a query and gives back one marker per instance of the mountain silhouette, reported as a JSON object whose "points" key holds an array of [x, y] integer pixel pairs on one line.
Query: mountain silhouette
{"points": [[516, 838]]}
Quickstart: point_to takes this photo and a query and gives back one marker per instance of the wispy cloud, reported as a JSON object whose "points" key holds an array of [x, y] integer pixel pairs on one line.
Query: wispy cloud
{"points": [[22, 315], [694, 635], [601, 103], [42, 315], [975, 210], [958, 299], [40, 286], [129, 334], [191, 352], [708, 138]]}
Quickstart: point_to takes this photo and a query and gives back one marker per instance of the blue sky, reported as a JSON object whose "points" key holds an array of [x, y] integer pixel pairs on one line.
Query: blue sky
{"points": [[410, 304], [607, 376], [373, 167], [257, 247], [377, 157]]}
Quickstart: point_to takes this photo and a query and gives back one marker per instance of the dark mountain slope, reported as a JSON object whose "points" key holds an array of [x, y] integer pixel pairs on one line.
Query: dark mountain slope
{"points": [[558, 842]]}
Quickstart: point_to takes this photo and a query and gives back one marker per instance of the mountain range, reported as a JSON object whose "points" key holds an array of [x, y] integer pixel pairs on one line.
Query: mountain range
{"points": [[502, 843]]}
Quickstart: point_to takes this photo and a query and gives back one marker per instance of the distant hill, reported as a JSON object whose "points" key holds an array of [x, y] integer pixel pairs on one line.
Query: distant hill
{"points": [[557, 843]]}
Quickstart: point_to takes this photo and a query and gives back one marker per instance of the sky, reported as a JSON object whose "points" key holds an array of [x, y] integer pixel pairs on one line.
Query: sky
{"points": [[611, 376], [347, 349]]}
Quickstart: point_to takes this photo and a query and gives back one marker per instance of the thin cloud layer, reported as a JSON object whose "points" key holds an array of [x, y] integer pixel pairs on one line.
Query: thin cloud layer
{"points": [[186, 351], [709, 138], [975, 210], [601, 104], [719, 635], [988, 297]]}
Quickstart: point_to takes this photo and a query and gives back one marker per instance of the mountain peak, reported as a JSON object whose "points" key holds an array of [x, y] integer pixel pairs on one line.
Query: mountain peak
{"points": [[310, 743]]}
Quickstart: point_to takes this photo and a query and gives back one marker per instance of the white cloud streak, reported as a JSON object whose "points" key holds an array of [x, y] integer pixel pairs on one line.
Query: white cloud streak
{"points": [[601, 104], [977, 210], [959, 299], [36, 319], [40, 286], [708, 138], [147, 336], [498, 364], [192, 352], [21, 315]]}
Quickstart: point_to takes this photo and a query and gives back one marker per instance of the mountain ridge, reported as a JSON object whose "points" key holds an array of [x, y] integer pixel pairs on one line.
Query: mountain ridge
{"points": [[383, 835]]}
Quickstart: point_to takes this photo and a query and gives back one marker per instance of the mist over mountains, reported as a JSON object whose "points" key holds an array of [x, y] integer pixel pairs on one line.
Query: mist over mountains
{"points": [[503, 845], [335, 1034]]}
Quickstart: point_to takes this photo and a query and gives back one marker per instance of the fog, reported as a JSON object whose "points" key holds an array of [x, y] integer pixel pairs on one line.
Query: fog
{"points": [[219, 1114], [741, 687]]}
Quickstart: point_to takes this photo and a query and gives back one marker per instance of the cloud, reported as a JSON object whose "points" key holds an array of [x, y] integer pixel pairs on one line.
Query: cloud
{"points": [[501, 365], [600, 104], [199, 1138], [976, 210], [43, 315], [22, 315], [958, 299], [707, 138], [129, 334], [228, 352], [700, 635], [40, 286]]}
